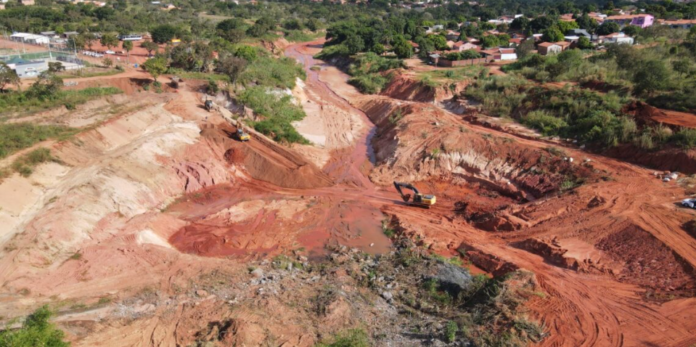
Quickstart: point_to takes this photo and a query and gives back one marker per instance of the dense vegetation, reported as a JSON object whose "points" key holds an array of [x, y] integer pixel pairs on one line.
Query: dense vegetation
{"points": [[36, 331], [581, 114], [367, 72], [17, 136], [278, 112], [663, 73], [46, 93]]}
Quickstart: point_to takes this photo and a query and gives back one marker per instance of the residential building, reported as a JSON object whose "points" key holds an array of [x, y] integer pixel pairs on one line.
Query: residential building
{"points": [[619, 38], [549, 48], [639, 20], [679, 23], [578, 32], [452, 35], [500, 53], [27, 2], [599, 17], [465, 46]]}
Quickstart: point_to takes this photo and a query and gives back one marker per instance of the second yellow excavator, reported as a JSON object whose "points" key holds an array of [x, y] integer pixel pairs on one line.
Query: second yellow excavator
{"points": [[418, 198]]}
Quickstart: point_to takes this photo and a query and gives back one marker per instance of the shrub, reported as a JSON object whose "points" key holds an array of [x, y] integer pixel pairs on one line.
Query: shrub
{"points": [[544, 122], [25, 164], [685, 138], [451, 330], [349, 338], [36, 331], [278, 112]]}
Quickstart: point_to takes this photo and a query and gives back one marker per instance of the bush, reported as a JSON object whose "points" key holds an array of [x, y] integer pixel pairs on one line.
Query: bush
{"points": [[270, 72], [685, 138], [36, 331], [26, 163], [544, 122], [349, 338], [278, 113]]}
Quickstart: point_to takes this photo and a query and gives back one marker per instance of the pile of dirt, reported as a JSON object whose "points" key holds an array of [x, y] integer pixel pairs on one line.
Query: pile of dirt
{"points": [[266, 160], [404, 88], [650, 263]]}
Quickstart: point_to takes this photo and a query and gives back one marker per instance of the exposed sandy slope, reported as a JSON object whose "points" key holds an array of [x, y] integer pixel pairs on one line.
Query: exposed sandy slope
{"points": [[161, 202]]}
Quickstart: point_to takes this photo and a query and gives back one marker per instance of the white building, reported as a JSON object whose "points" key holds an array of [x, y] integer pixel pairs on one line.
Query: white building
{"points": [[619, 38], [32, 39]]}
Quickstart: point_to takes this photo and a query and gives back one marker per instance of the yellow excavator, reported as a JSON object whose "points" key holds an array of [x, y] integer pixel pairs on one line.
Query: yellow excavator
{"points": [[418, 198], [241, 134]]}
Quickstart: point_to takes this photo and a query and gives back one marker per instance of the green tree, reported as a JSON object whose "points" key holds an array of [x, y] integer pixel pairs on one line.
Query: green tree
{"points": [[109, 40], [55, 67], [36, 331], [247, 53], [631, 30], [564, 26], [88, 39], [377, 48], [46, 86], [149, 47], [525, 47], [490, 41], [127, 46], [652, 75], [608, 28], [584, 43], [682, 66], [403, 49], [7, 76], [164, 33], [155, 66], [354, 43], [231, 66], [552, 35], [438, 41], [520, 23], [541, 23], [470, 54], [586, 22]]}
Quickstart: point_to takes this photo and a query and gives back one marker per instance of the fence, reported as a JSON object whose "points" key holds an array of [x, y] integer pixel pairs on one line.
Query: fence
{"points": [[453, 63], [59, 56]]}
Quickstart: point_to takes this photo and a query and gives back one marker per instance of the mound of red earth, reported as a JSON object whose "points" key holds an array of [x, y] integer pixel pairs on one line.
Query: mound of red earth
{"points": [[266, 160], [650, 263]]}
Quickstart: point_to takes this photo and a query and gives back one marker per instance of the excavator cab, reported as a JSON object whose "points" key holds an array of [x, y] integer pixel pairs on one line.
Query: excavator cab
{"points": [[241, 135], [418, 198], [208, 105]]}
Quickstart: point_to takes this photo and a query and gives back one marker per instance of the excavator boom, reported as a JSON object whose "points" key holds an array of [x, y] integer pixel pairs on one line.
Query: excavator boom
{"points": [[418, 198]]}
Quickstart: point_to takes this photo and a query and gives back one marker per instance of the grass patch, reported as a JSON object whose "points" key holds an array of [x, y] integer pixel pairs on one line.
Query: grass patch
{"points": [[302, 36], [25, 164], [24, 102], [349, 338], [17, 136], [274, 73]]}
